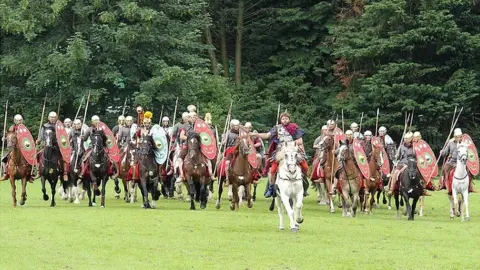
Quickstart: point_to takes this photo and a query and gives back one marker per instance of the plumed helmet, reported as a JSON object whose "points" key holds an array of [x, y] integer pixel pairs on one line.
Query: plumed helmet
{"points": [[354, 125], [349, 132], [95, 118], [234, 122], [121, 118], [457, 132], [191, 108], [417, 134], [148, 114], [367, 133], [248, 125], [208, 118], [185, 115], [52, 114], [139, 109], [165, 119]]}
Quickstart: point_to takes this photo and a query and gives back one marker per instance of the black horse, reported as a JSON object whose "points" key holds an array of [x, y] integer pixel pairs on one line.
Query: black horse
{"points": [[51, 167], [148, 170], [71, 186], [409, 187], [97, 168]]}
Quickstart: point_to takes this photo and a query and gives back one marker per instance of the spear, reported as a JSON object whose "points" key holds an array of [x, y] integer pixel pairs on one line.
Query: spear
{"points": [[411, 120], [4, 133], [40, 128], [170, 141], [59, 102], [361, 121], [161, 116], [278, 113], [79, 107], [343, 123], [376, 125], [224, 135], [124, 107], [82, 129]]}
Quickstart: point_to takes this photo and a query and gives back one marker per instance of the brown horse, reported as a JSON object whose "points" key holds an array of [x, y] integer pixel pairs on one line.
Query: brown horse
{"points": [[350, 181], [239, 174], [196, 172], [375, 160], [18, 168], [124, 164], [326, 157]]}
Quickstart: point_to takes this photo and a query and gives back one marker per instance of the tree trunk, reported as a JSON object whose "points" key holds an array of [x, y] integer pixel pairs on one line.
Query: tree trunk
{"points": [[238, 44], [223, 44], [211, 50]]}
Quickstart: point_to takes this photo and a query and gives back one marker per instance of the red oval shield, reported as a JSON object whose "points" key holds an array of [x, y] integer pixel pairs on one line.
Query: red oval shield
{"points": [[63, 142], [208, 143], [339, 136], [376, 142], [26, 144], [112, 147], [426, 160], [472, 161], [361, 158]]}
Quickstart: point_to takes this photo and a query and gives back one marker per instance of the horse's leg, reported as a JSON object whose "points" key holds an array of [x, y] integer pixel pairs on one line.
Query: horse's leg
{"points": [[280, 210], [171, 189], [117, 188], [191, 190], [44, 190], [254, 196], [397, 203], [389, 201], [286, 204], [104, 185], [235, 199], [53, 186], [421, 201], [455, 200], [155, 192], [372, 201], [407, 205], [298, 204], [346, 202], [465, 212], [248, 189], [414, 204], [220, 190], [203, 193], [76, 191], [14, 190], [24, 190], [86, 186], [356, 199], [241, 194], [143, 189]]}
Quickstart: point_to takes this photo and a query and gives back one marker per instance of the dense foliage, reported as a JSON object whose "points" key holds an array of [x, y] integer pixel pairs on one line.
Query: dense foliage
{"points": [[315, 58]]}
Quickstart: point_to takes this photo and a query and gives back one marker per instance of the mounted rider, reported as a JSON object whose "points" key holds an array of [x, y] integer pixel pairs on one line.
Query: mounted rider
{"points": [[417, 136], [348, 142], [88, 133], [120, 123], [229, 141], [284, 132], [387, 142], [76, 132], [355, 129], [451, 154], [144, 128], [166, 127], [17, 120], [50, 125], [405, 152], [67, 123]]}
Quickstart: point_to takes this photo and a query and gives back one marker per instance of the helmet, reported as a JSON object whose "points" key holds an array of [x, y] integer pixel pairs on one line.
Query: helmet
{"points": [[121, 118], [349, 132], [185, 115], [457, 132], [165, 119], [285, 114], [17, 117], [234, 122], [356, 134], [67, 120], [139, 109], [95, 118], [408, 136], [52, 115], [248, 125], [129, 118], [324, 127], [330, 122], [382, 130], [191, 108], [77, 122], [367, 133], [417, 134], [354, 125]]}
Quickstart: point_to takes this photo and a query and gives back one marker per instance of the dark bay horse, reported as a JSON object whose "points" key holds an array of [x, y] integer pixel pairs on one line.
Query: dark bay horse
{"points": [[350, 181], [239, 174], [17, 168], [148, 171], [326, 157], [97, 169], [50, 164], [409, 187], [196, 171], [72, 185], [124, 165], [375, 161]]}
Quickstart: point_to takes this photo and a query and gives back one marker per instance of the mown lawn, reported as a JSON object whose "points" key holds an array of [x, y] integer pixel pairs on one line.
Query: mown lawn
{"points": [[124, 236]]}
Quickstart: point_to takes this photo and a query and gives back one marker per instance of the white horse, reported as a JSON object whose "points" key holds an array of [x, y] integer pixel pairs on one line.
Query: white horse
{"points": [[289, 186], [460, 184]]}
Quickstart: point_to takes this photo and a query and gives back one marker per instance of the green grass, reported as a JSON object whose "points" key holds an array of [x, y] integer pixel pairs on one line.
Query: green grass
{"points": [[124, 236]]}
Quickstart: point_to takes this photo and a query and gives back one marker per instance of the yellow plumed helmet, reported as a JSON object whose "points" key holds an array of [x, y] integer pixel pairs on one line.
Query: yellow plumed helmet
{"points": [[208, 118], [148, 114]]}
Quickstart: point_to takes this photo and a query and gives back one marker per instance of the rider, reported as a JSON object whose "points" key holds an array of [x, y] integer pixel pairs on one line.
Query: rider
{"points": [[50, 124], [185, 130], [229, 142], [417, 136], [166, 127], [450, 152], [144, 129], [405, 152], [90, 131], [285, 132], [17, 120], [356, 133], [120, 124], [68, 125], [387, 142]]}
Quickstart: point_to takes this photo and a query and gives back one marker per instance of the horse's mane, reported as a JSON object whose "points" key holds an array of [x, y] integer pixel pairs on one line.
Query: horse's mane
{"points": [[193, 135], [290, 146]]}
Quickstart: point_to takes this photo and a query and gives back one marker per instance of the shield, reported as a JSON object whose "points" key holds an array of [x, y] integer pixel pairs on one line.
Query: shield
{"points": [[339, 135], [426, 160], [113, 151], [386, 163], [133, 130], [63, 142], [252, 157], [26, 144], [361, 158], [472, 161], [160, 137], [208, 143]]}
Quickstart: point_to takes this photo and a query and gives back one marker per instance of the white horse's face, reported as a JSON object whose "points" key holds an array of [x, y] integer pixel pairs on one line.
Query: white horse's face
{"points": [[462, 153], [291, 160]]}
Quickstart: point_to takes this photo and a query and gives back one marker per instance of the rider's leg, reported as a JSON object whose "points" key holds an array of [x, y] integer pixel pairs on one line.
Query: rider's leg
{"points": [[271, 180]]}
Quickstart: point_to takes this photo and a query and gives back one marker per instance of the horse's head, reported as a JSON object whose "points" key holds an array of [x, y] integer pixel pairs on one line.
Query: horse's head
{"points": [[412, 168], [49, 137], [244, 146], [462, 153], [97, 143], [377, 155], [145, 146], [11, 139], [291, 158], [193, 142]]}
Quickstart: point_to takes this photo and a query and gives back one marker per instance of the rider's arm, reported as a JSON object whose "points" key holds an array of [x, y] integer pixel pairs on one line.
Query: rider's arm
{"points": [[183, 135]]}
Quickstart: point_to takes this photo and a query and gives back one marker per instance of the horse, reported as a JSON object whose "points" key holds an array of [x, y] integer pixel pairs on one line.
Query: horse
{"points": [[196, 171], [239, 175], [289, 186], [460, 184], [350, 181], [50, 164], [97, 169], [258, 170], [124, 165], [330, 167], [373, 184], [409, 187], [148, 171], [72, 187], [18, 168]]}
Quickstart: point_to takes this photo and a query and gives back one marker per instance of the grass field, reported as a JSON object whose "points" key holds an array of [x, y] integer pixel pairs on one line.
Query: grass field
{"points": [[124, 236]]}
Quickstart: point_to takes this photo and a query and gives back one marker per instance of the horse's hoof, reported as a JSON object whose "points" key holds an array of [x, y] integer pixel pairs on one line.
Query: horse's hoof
{"points": [[254, 198], [282, 228], [271, 208], [147, 206], [97, 192], [410, 218], [384, 201], [398, 217], [203, 206], [102, 206], [300, 220], [192, 208], [294, 230], [467, 218], [76, 202], [459, 214], [46, 198], [249, 205], [232, 207], [117, 197], [389, 208], [90, 205], [22, 202], [94, 204], [52, 205]]}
